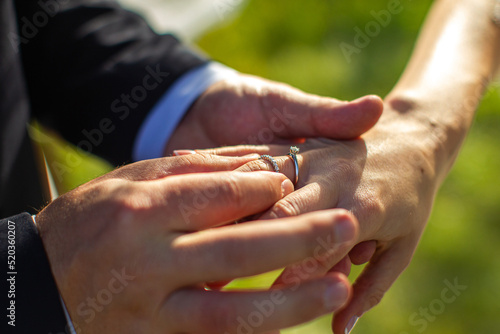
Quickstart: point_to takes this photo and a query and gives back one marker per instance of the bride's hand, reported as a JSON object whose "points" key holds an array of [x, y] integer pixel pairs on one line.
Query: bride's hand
{"points": [[387, 179]]}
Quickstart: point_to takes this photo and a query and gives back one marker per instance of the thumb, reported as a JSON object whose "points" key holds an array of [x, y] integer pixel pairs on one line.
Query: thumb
{"points": [[306, 115]]}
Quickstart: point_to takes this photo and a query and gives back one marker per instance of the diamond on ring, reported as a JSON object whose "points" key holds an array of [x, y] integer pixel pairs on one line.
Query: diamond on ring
{"points": [[294, 150]]}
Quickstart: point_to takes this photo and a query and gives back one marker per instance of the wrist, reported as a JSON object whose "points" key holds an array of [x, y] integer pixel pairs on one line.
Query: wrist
{"points": [[435, 137]]}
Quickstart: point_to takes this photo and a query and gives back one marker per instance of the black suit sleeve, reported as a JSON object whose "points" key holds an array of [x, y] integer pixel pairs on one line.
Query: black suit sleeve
{"points": [[94, 70], [30, 299]]}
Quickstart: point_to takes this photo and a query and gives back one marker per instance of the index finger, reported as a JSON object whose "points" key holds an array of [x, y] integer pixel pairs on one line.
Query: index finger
{"points": [[199, 201], [153, 169]]}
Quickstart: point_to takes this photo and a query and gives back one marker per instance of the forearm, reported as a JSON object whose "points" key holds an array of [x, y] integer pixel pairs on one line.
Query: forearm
{"points": [[456, 56]]}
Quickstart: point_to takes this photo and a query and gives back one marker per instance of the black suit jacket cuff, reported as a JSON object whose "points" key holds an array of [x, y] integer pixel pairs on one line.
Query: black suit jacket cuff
{"points": [[30, 298]]}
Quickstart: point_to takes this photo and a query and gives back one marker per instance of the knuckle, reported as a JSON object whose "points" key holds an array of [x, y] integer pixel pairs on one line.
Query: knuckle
{"points": [[285, 208], [345, 169], [126, 203], [372, 207], [195, 159], [114, 206], [231, 191], [256, 165], [375, 298], [220, 318], [368, 205]]}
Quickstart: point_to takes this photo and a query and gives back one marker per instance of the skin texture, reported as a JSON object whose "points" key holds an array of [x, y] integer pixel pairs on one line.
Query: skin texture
{"points": [[142, 222], [132, 250], [388, 178], [354, 175], [255, 111]]}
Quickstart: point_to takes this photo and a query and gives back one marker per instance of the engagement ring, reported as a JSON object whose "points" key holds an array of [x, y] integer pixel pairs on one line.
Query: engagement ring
{"points": [[294, 150]]}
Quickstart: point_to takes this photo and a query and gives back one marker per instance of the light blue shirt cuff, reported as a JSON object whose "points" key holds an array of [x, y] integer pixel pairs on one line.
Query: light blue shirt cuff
{"points": [[162, 120]]}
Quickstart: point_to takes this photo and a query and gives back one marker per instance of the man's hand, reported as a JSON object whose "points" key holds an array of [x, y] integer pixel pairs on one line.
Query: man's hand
{"points": [[127, 256], [387, 179], [254, 111]]}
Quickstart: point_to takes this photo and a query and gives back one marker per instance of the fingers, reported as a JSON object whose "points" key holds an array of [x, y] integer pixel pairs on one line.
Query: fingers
{"points": [[374, 281], [327, 256], [253, 248], [199, 311], [363, 252], [194, 163], [309, 198], [344, 266], [359, 254], [285, 164], [242, 150], [199, 201], [313, 116]]}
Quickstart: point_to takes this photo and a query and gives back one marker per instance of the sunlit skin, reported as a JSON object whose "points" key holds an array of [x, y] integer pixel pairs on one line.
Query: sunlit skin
{"points": [[390, 176], [252, 110], [131, 219], [127, 259]]}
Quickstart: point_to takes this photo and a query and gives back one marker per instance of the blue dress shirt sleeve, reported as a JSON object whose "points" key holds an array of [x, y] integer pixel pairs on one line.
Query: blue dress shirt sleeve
{"points": [[162, 120]]}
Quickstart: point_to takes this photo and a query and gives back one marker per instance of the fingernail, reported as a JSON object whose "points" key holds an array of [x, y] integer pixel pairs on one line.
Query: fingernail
{"points": [[351, 324], [286, 187], [344, 232], [335, 296], [183, 152]]}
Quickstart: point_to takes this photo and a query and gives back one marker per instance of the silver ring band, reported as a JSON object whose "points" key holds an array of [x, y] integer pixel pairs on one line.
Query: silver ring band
{"points": [[272, 161], [294, 150]]}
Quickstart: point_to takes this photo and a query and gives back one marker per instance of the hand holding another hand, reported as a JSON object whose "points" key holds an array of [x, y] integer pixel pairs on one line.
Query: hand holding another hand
{"points": [[387, 179], [127, 255]]}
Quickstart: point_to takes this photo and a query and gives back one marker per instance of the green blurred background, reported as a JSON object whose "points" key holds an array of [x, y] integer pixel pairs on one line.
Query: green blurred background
{"points": [[297, 42]]}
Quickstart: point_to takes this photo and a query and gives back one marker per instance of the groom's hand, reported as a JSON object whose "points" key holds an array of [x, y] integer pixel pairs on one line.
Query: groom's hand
{"points": [[253, 111], [127, 256]]}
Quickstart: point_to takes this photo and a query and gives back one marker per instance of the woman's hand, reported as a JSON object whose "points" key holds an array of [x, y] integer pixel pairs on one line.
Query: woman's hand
{"points": [[387, 179], [132, 250]]}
